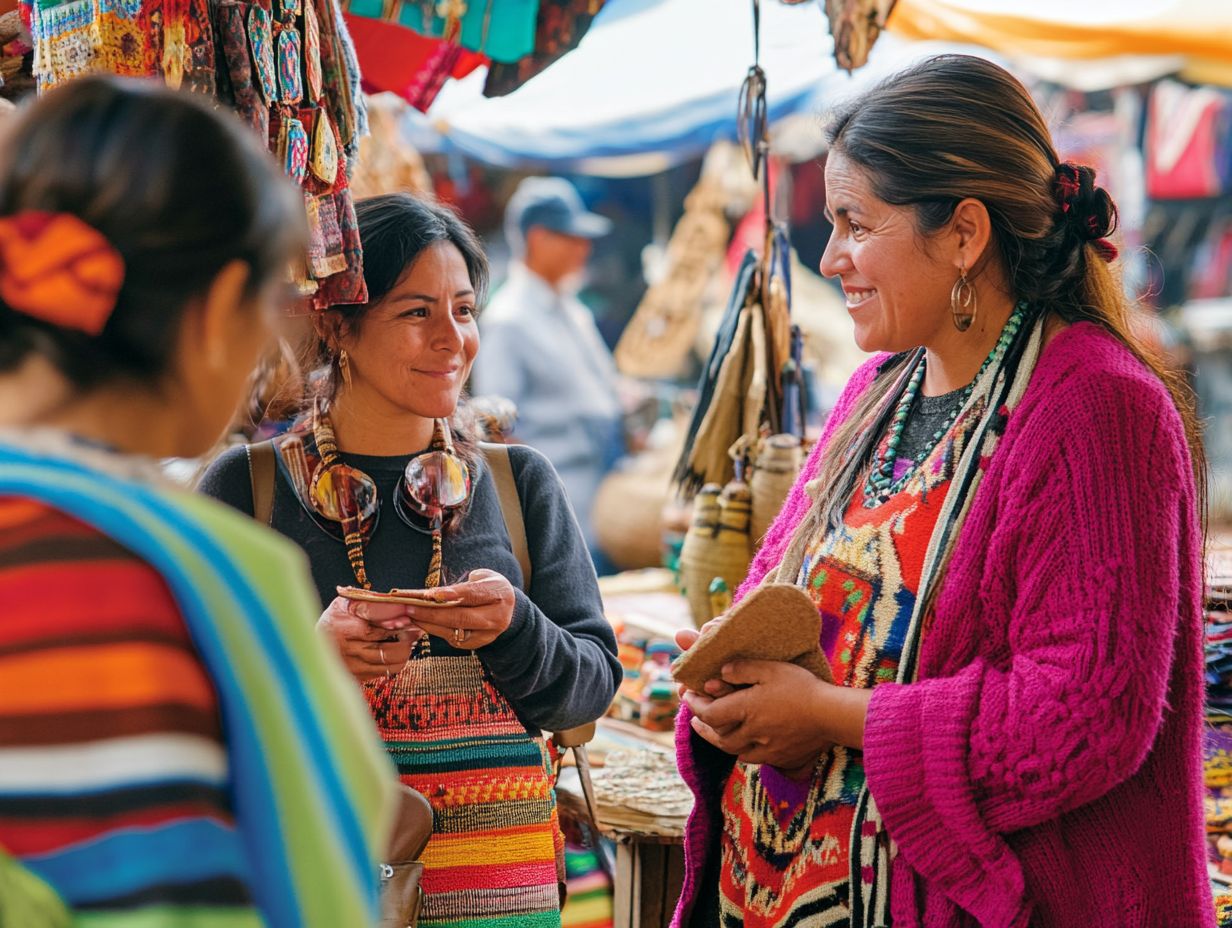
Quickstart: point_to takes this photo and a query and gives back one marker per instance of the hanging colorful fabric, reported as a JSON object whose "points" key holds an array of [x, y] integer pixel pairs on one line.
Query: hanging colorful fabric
{"points": [[124, 44], [324, 163], [347, 285], [261, 40], [290, 70], [196, 17], [558, 30], [295, 153], [504, 31], [291, 9], [65, 41], [245, 95], [175, 53], [312, 54], [326, 248]]}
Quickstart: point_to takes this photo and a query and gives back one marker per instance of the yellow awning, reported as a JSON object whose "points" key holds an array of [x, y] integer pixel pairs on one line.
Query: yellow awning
{"points": [[1198, 32]]}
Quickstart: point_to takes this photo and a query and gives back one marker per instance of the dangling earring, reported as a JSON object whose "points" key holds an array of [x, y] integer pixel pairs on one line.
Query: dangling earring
{"points": [[344, 366], [963, 302]]}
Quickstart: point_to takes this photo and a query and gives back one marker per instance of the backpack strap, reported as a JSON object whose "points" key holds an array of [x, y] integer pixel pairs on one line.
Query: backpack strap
{"points": [[262, 472], [497, 457]]}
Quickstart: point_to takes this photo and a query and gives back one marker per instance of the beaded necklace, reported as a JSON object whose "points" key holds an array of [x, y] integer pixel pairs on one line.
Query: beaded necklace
{"points": [[881, 484]]}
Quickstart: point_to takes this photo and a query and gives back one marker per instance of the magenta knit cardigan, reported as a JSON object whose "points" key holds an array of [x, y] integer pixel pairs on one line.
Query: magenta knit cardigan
{"points": [[1046, 768]]}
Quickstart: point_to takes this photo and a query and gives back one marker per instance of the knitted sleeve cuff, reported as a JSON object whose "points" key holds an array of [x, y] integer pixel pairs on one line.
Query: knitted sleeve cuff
{"points": [[915, 747]]}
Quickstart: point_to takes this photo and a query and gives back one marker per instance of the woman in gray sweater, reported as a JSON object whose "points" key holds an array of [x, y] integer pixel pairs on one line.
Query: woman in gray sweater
{"points": [[380, 495]]}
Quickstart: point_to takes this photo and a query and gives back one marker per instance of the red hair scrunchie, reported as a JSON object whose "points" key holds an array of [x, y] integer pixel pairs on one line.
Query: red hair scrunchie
{"points": [[58, 269]]}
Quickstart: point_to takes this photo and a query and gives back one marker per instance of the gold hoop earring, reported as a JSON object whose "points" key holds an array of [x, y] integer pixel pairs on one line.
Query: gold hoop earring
{"points": [[963, 302], [344, 366]]}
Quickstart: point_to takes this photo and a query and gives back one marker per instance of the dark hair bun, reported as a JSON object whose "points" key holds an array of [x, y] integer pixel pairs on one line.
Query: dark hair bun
{"points": [[1086, 207]]}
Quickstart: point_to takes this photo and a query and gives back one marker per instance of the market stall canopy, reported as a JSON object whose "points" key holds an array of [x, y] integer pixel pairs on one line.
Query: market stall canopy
{"points": [[1121, 42], [653, 84], [412, 47]]}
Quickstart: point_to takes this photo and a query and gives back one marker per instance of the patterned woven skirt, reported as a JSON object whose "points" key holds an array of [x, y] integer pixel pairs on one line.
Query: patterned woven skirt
{"points": [[494, 860]]}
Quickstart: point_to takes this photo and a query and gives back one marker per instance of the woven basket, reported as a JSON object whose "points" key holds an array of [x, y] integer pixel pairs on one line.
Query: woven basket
{"points": [[628, 519], [697, 554], [716, 549], [774, 474]]}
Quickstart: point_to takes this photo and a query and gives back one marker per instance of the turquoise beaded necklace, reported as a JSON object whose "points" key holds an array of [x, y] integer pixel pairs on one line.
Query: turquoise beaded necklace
{"points": [[881, 484]]}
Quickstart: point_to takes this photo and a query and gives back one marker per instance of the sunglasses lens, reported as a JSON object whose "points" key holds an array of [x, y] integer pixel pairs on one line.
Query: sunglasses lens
{"points": [[437, 481], [341, 492]]}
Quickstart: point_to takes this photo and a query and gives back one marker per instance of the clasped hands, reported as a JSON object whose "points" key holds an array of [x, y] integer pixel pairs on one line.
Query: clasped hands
{"points": [[772, 712], [375, 639]]}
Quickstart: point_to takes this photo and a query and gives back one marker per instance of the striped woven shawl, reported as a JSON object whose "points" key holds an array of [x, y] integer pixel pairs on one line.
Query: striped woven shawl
{"points": [[311, 786]]}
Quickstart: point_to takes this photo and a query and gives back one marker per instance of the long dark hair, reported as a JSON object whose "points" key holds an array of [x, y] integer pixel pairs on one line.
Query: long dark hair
{"points": [[179, 188], [954, 127]]}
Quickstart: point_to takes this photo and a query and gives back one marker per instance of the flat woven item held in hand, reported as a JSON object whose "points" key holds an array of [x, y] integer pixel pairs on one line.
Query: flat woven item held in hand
{"points": [[777, 622]]}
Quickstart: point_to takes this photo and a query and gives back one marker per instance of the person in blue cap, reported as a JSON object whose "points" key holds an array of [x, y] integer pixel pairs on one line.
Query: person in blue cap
{"points": [[542, 349]]}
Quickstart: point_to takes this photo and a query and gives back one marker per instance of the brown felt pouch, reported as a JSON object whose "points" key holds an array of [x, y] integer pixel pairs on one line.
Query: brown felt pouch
{"points": [[776, 622]]}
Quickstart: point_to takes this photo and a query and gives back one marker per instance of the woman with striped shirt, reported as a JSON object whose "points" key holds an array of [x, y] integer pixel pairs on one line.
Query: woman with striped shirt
{"points": [[177, 748]]}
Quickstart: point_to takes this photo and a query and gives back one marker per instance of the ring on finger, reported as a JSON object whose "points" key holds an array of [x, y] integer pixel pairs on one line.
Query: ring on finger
{"points": [[460, 635]]}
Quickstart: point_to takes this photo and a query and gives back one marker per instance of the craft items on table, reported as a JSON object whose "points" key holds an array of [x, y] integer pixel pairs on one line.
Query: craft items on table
{"points": [[645, 612], [640, 790], [778, 462], [284, 65], [1217, 758], [647, 695]]}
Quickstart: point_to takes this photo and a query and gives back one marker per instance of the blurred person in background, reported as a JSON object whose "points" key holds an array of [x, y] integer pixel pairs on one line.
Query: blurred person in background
{"points": [[542, 349]]}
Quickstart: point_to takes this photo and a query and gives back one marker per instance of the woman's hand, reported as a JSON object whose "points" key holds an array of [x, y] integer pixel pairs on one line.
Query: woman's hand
{"points": [[484, 611], [780, 715], [685, 639], [374, 639]]}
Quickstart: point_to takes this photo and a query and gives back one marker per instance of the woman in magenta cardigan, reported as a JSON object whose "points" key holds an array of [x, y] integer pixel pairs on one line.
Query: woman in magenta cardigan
{"points": [[1000, 528]]}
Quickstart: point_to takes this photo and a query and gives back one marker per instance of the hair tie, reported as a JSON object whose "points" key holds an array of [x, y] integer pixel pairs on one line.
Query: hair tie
{"points": [[1068, 185], [56, 268], [1074, 186]]}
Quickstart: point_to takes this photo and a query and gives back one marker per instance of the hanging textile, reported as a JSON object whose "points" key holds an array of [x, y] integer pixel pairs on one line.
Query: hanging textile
{"points": [[559, 28], [503, 30], [285, 66], [405, 63]]}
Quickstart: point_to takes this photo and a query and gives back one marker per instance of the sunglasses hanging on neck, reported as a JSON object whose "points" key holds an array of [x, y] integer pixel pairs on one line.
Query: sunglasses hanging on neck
{"points": [[345, 503]]}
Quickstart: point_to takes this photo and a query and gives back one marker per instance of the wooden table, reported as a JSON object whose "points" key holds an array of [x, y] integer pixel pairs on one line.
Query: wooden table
{"points": [[649, 864]]}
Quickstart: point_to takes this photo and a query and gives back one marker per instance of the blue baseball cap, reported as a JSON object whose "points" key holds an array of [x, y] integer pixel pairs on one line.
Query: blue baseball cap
{"points": [[553, 203]]}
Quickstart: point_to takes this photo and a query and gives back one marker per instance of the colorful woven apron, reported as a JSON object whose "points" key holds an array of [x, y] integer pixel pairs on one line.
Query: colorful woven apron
{"points": [[492, 861], [496, 855]]}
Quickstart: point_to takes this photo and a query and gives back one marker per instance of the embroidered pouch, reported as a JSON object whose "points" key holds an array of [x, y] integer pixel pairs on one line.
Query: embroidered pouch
{"points": [[246, 96], [347, 285], [312, 54], [296, 157], [324, 162], [326, 248], [290, 67], [261, 40]]}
